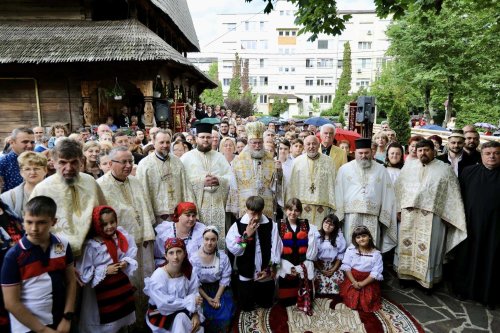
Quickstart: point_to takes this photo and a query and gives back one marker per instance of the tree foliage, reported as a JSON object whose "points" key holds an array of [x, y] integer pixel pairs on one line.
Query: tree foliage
{"points": [[322, 16], [244, 106], [235, 85], [399, 121], [213, 96], [453, 59], [342, 91], [280, 105]]}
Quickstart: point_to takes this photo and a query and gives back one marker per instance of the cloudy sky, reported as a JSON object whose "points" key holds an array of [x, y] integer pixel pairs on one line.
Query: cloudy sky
{"points": [[205, 11]]}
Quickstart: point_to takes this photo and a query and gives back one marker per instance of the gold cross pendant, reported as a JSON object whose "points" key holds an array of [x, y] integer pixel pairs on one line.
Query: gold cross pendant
{"points": [[312, 188]]}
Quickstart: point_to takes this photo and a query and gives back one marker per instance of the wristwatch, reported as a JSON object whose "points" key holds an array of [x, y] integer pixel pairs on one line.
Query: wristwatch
{"points": [[69, 316]]}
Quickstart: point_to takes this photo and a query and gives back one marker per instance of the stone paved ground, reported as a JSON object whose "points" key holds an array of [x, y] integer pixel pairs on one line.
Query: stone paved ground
{"points": [[441, 312]]}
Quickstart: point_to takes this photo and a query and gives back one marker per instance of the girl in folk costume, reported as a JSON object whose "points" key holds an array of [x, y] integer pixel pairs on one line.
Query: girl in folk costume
{"points": [[331, 248], [105, 267], [363, 266], [184, 225], [297, 256], [174, 300], [214, 273]]}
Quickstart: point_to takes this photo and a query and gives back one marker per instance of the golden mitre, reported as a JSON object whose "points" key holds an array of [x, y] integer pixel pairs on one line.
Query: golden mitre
{"points": [[255, 130]]}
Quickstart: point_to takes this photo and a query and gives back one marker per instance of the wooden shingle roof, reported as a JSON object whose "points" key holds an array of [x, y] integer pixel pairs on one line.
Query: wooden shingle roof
{"points": [[57, 41], [178, 12]]}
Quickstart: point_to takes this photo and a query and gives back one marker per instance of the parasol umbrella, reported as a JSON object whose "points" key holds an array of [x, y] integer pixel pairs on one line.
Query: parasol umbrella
{"points": [[268, 119], [434, 128], [485, 125], [351, 136], [207, 120], [317, 121]]}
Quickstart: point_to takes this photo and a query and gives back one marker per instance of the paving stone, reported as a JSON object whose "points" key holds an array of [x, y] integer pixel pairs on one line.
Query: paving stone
{"points": [[454, 304], [477, 314], [427, 299], [495, 324], [423, 314], [445, 326], [446, 313], [400, 297]]}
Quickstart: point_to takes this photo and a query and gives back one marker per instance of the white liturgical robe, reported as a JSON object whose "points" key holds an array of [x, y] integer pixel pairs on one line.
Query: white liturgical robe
{"points": [[366, 197]]}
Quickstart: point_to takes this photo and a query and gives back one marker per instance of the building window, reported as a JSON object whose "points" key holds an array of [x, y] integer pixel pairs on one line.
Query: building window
{"points": [[281, 33], [287, 69], [365, 63], [226, 82], [309, 63], [261, 63], [282, 12], [263, 99], [280, 87], [294, 32], [325, 63], [324, 98], [263, 81], [263, 44], [229, 26], [340, 64], [286, 87], [324, 81], [252, 80], [292, 69], [323, 44], [309, 82], [362, 83], [227, 63], [311, 97], [364, 45], [292, 87], [262, 26], [249, 44]]}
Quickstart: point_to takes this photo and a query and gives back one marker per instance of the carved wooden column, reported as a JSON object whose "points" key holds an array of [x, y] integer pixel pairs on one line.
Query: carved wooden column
{"points": [[146, 88], [88, 111]]}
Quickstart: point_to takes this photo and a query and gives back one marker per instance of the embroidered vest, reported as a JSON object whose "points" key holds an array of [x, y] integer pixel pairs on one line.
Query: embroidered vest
{"points": [[246, 262], [294, 243]]}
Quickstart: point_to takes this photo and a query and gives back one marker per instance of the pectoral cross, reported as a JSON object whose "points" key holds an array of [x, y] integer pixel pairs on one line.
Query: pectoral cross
{"points": [[171, 193], [312, 188]]}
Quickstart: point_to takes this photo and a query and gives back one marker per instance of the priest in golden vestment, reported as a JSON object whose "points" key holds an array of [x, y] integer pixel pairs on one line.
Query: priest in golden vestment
{"points": [[313, 182], [256, 173], [432, 217], [365, 196], [163, 178], [125, 194], [75, 193], [209, 174]]}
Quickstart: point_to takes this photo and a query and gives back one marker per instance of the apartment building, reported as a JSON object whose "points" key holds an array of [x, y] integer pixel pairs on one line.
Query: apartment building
{"points": [[284, 63]]}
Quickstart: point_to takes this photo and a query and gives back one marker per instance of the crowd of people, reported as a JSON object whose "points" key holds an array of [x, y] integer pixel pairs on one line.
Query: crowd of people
{"points": [[173, 232]]}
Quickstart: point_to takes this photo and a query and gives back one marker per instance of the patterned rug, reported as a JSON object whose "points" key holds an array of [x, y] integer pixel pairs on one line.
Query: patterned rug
{"points": [[329, 316]]}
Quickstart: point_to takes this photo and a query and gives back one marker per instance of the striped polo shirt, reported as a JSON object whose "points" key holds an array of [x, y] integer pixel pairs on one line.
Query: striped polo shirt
{"points": [[41, 275]]}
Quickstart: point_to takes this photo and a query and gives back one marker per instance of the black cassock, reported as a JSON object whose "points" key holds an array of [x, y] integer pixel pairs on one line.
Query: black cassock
{"points": [[477, 264]]}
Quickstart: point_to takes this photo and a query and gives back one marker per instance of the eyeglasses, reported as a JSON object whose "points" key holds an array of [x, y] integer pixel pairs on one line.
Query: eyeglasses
{"points": [[124, 162]]}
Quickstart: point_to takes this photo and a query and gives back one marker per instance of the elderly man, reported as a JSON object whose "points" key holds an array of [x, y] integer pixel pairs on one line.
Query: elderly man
{"points": [[432, 217], [365, 196], [384, 126], [471, 143], [38, 132], [313, 182], [75, 193], [163, 178], [338, 155], [135, 214], [21, 140], [208, 174], [121, 139], [255, 173], [239, 130], [103, 128], [456, 155], [476, 273], [391, 135]]}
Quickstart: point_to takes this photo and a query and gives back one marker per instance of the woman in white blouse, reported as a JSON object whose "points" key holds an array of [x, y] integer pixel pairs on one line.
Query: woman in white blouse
{"points": [[214, 273]]}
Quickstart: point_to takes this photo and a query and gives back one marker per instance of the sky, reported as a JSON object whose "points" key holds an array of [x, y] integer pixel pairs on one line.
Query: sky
{"points": [[204, 13]]}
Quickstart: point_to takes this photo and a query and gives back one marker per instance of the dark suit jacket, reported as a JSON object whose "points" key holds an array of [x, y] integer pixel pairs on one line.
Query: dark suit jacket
{"points": [[465, 161]]}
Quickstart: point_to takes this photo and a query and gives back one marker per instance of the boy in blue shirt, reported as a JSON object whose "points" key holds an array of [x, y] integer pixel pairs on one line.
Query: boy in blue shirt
{"points": [[38, 277]]}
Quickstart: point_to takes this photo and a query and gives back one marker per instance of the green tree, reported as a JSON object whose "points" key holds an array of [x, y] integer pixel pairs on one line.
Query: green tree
{"points": [[280, 105], [316, 107], [399, 121], [213, 96], [235, 85], [342, 92]]}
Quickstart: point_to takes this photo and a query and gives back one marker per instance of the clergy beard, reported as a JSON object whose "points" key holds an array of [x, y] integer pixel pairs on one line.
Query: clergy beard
{"points": [[204, 149], [364, 164], [257, 154], [70, 181]]}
